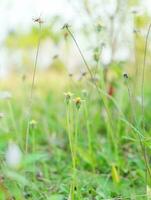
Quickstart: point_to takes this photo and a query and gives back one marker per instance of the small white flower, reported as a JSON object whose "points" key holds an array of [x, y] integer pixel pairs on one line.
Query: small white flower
{"points": [[13, 155]]}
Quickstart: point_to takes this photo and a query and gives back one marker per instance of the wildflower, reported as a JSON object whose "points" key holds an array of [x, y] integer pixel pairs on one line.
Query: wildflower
{"points": [[68, 97], [33, 123], [78, 102], [13, 155]]}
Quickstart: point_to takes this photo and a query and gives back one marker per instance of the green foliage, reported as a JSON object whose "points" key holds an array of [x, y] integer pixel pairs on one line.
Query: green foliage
{"points": [[141, 21], [86, 138], [21, 40], [132, 3]]}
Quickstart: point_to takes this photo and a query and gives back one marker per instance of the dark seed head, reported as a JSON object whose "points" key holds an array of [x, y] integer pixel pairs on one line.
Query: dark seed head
{"points": [[38, 20], [55, 56], [84, 73], [125, 75], [66, 26], [70, 74]]}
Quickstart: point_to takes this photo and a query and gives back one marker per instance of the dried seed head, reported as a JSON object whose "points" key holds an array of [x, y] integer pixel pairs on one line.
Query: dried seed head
{"points": [[66, 26], [23, 77], [70, 74], [134, 11], [68, 96], [136, 31], [66, 30], [38, 20], [125, 75], [55, 56], [84, 73]]}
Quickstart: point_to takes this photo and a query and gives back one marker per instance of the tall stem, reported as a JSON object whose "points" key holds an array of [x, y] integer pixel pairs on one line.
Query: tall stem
{"points": [[143, 73], [109, 124], [31, 91]]}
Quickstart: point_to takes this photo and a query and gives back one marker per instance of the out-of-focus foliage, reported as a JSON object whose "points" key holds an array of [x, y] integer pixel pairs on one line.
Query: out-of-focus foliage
{"points": [[82, 129]]}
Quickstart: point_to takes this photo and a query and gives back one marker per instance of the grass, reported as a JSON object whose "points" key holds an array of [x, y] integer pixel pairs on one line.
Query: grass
{"points": [[80, 143], [98, 173]]}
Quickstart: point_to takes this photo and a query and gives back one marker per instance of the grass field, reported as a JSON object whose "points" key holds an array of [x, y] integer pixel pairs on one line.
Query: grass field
{"points": [[83, 143], [69, 138]]}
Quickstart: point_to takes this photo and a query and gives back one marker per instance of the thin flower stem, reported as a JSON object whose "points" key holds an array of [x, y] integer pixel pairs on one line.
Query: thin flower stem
{"points": [[142, 100], [76, 136], [143, 74], [131, 101], [143, 149], [84, 60], [72, 147], [70, 136], [90, 147], [31, 92], [110, 126]]}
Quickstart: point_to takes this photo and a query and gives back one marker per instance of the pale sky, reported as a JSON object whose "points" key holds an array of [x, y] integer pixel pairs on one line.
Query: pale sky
{"points": [[19, 13]]}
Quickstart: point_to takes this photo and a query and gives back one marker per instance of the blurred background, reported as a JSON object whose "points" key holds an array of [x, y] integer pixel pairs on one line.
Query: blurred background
{"points": [[115, 28], [36, 112]]}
